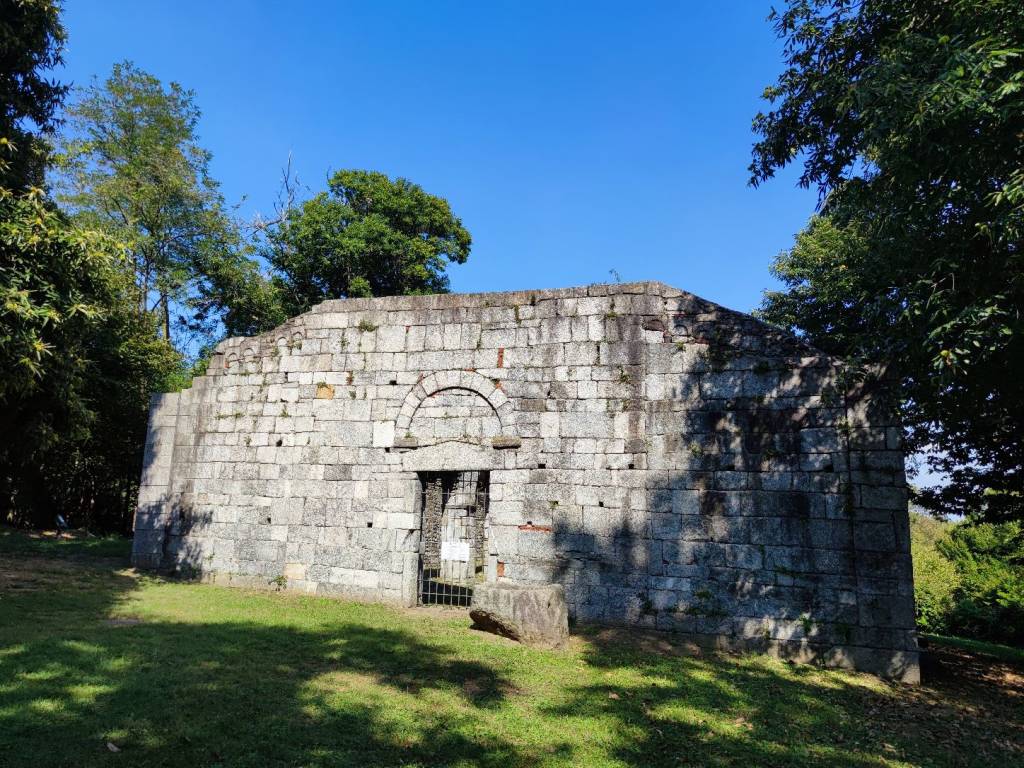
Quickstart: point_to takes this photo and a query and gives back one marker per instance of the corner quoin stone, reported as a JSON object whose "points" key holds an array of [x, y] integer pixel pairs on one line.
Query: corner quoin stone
{"points": [[670, 463], [534, 615]]}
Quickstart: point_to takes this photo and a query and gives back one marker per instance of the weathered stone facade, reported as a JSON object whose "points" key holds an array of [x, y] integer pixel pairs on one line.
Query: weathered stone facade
{"points": [[673, 464]]}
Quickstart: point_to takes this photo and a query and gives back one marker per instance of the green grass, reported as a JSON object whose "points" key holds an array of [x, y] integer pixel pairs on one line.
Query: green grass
{"points": [[69, 545], [982, 647], [177, 674]]}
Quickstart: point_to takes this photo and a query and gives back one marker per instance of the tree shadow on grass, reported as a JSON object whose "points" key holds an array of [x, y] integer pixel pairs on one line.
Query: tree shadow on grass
{"points": [[235, 693], [79, 546], [671, 708], [346, 685]]}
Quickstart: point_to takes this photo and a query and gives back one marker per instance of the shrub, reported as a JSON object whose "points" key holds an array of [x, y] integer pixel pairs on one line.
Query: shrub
{"points": [[989, 560], [935, 576], [969, 578]]}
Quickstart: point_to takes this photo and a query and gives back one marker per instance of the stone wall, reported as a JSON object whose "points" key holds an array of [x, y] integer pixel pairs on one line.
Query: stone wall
{"points": [[673, 464]]}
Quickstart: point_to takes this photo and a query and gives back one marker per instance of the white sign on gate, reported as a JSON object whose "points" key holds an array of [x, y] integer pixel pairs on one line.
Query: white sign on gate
{"points": [[455, 550]]}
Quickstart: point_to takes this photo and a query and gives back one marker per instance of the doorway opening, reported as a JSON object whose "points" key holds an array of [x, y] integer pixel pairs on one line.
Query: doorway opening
{"points": [[453, 545]]}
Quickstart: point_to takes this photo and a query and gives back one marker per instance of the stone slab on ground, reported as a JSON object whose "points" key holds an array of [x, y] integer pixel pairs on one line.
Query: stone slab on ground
{"points": [[534, 615]]}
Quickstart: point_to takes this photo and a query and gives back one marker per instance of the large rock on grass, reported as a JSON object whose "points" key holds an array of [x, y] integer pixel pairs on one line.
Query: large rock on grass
{"points": [[534, 615]]}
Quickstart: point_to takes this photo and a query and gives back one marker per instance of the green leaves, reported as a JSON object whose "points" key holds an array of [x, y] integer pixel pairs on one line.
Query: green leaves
{"points": [[909, 119], [31, 42], [80, 356], [79, 361], [367, 235], [131, 166], [48, 277]]}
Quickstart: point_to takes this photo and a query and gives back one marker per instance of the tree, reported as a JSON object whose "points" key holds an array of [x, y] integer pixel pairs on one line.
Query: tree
{"points": [[368, 235], [94, 479], [31, 41], [79, 359], [131, 165], [234, 292], [989, 596], [908, 116], [936, 578], [969, 578]]}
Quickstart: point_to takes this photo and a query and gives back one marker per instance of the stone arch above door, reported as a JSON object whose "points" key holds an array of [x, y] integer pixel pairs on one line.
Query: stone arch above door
{"points": [[456, 405]]}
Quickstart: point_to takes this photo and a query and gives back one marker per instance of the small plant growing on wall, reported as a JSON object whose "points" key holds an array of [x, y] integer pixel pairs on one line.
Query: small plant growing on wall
{"points": [[830, 396], [366, 326], [646, 606], [845, 632], [707, 605]]}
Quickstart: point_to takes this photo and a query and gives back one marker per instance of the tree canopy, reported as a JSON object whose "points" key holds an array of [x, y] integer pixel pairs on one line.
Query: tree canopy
{"points": [[908, 117], [969, 578], [31, 42], [79, 359], [131, 165], [367, 235], [80, 364]]}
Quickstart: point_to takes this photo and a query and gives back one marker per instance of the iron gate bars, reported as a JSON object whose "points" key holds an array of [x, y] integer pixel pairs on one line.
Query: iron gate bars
{"points": [[454, 540]]}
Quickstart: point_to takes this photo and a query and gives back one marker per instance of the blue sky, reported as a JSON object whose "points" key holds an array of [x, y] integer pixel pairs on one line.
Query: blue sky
{"points": [[572, 139]]}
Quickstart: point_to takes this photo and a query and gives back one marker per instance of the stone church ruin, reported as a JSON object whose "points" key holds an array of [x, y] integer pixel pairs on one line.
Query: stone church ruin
{"points": [[671, 463]]}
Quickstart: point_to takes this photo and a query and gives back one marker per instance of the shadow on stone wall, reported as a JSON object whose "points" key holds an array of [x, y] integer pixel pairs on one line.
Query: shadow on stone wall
{"points": [[780, 529], [183, 551]]}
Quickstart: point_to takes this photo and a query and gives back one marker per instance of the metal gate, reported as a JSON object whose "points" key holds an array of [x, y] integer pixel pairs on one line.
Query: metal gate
{"points": [[453, 546]]}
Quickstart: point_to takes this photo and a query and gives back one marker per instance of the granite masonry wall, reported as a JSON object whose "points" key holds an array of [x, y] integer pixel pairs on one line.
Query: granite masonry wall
{"points": [[674, 464]]}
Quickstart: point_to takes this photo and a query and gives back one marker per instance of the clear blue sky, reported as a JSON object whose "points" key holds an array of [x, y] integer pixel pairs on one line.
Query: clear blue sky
{"points": [[572, 139]]}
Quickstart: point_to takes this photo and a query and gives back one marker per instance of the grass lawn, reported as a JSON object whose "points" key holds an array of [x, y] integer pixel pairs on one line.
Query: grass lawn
{"points": [[996, 650], [176, 674]]}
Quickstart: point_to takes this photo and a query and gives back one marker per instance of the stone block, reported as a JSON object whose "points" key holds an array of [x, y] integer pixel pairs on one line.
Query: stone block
{"points": [[880, 537], [882, 497], [534, 615], [383, 434], [821, 440]]}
